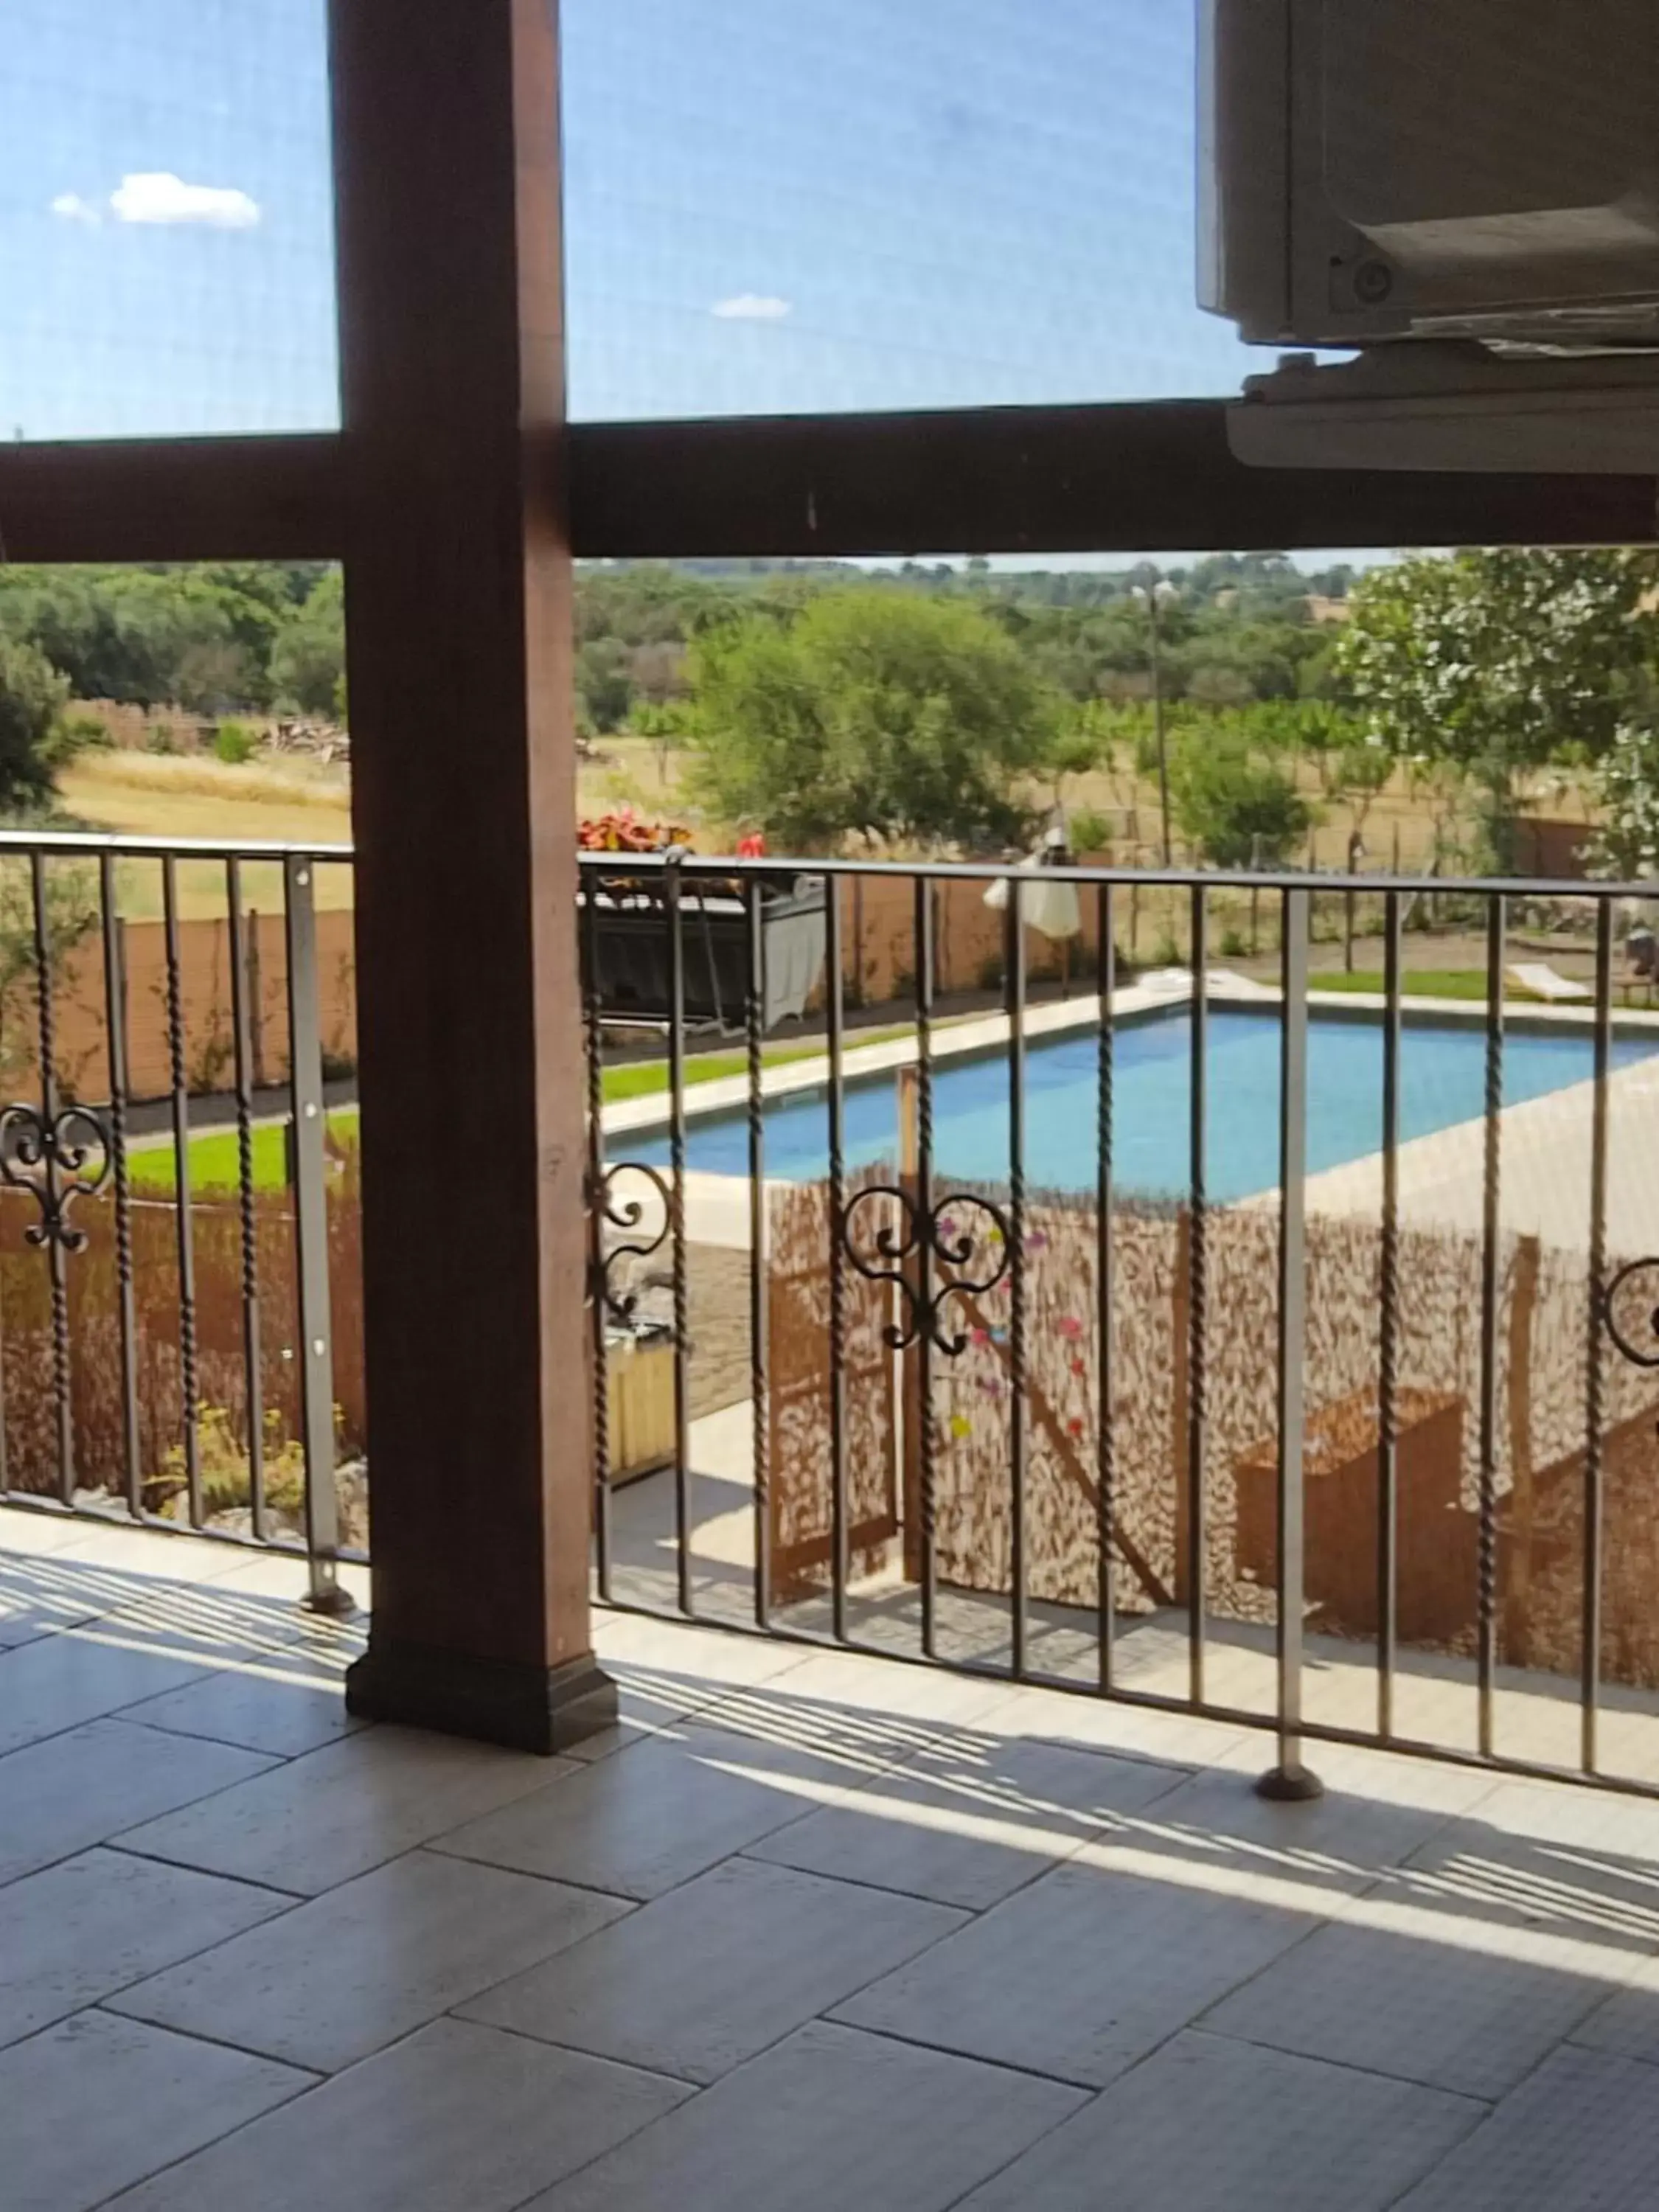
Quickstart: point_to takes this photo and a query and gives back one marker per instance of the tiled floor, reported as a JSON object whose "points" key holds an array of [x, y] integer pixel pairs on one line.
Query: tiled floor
{"points": [[806, 1932]]}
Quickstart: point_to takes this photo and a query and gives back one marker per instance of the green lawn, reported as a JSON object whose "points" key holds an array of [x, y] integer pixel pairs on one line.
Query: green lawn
{"points": [[1418, 984], [213, 1159]]}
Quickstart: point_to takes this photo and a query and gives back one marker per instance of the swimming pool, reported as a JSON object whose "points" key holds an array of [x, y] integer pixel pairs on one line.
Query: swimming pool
{"points": [[1442, 1081]]}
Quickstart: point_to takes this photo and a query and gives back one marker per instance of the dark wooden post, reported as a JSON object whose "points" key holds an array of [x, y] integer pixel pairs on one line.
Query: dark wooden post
{"points": [[457, 608]]}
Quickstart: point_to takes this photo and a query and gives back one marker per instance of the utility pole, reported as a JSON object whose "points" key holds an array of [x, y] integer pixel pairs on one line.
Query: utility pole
{"points": [[1161, 595]]}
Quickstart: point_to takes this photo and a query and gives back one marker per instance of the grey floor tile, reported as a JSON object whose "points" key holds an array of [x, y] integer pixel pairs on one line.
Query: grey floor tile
{"points": [[349, 1971], [1401, 1995], [826, 2121], [1206, 2126], [458, 2118], [1567, 1862], [58, 1682], [973, 1824], [1081, 1974], [33, 1603], [716, 1970], [335, 1814], [1627, 2022], [1334, 1847], [1090, 1722], [83, 1930], [1581, 2132], [664, 1811], [74, 1790], [95, 2103], [287, 1704]]}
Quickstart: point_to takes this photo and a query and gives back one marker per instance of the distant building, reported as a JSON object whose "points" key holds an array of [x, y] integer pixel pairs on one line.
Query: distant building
{"points": [[1321, 609]]}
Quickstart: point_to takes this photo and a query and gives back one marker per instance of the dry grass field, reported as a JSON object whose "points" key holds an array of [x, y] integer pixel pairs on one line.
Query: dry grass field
{"points": [[134, 794], [298, 800]]}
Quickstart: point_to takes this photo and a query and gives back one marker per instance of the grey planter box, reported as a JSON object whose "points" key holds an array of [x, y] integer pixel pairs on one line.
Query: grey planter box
{"points": [[631, 938]]}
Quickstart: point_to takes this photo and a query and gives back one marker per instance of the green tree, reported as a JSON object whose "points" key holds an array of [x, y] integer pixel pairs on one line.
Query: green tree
{"points": [[32, 697], [1236, 807], [1081, 745], [146, 636], [1493, 660], [604, 682], [307, 660], [1625, 845], [899, 718], [71, 914]]}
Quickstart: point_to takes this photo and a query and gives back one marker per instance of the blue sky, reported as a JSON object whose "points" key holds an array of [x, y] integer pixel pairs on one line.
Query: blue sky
{"points": [[772, 205]]}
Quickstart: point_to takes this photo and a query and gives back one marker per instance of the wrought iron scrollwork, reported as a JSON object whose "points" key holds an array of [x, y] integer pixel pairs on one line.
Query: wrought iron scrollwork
{"points": [[627, 1214], [48, 1156], [953, 1267], [1616, 1328]]}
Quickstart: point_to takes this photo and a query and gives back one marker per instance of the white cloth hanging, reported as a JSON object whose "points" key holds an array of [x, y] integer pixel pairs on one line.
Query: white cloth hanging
{"points": [[1049, 907]]}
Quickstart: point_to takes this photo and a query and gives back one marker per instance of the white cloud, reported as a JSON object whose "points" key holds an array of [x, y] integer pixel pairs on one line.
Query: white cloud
{"points": [[73, 209], [157, 195], [753, 307]]}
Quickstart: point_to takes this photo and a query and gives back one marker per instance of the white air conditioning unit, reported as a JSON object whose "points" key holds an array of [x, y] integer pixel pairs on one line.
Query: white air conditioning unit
{"points": [[1466, 192]]}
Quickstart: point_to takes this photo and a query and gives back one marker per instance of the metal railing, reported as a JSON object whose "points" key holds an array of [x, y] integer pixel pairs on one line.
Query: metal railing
{"points": [[1464, 1384], [121, 1249], [1338, 1444]]}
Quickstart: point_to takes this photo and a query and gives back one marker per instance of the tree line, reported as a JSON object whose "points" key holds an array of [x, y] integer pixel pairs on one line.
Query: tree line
{"points": [[946, 706]]}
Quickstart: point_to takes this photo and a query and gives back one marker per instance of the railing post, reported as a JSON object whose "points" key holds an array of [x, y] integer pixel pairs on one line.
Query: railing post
{"points": [[325, 1594], [1290, 1780]]}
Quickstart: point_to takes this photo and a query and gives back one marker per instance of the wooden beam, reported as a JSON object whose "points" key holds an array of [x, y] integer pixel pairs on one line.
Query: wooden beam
{"points": [[459, 623], [1117, 479], [179, 498], [1114, 479]]}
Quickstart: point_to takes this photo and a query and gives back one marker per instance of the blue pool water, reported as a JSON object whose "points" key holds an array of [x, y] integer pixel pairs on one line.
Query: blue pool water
{"points": [[1442, 1081]]}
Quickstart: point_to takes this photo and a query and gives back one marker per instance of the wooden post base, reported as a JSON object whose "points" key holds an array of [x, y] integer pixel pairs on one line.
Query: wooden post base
{"points": [[539, 1708]]}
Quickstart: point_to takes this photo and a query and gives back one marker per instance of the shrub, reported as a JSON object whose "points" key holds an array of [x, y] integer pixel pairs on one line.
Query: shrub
{"points": [[80, 733], [32, 698], [1233, 946], [236, 744], [871, 714], [159, 739], [1090, 830], [1241, 810]]}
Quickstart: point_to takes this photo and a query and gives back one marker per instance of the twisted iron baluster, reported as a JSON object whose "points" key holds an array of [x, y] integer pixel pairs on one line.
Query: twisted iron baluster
{"points": [[1388, 1343], [839, 1235], [1590, 1648], [1106, 1459], [1487, 1539], [56, 1257], [116, 1046], [598, 1212], [1197, 1308], [759, 1346], [927, 1441], [1014, 971], [242, 1044], [189, 1382]]}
